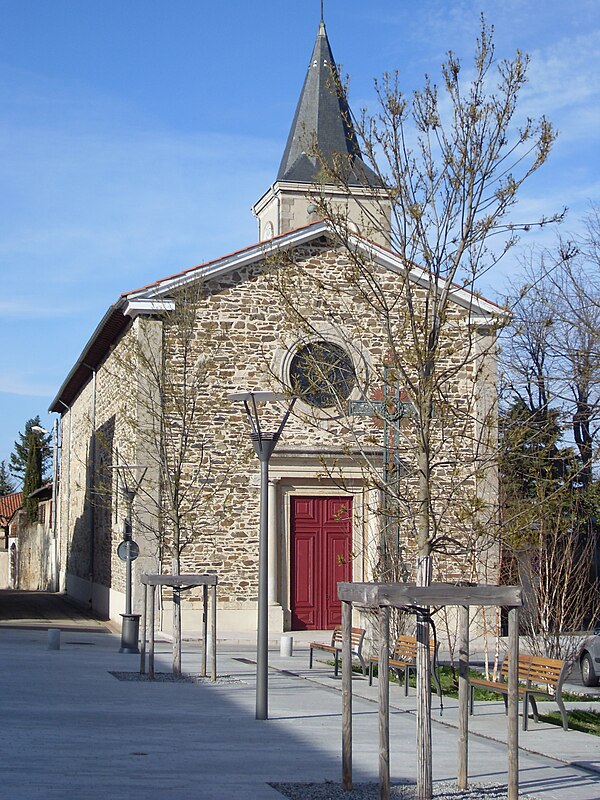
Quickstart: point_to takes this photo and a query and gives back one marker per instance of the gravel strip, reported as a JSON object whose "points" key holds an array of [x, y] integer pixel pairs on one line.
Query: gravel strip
{"points": [[399, 791], [168, 677]]}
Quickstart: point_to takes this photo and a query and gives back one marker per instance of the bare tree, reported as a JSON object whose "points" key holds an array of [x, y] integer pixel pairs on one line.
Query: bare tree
{"points": [[168, 423], [551, 399], [449, 164]]}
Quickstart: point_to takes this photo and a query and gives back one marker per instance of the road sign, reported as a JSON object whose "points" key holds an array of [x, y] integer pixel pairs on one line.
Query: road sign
{"points": [[134, 550]]}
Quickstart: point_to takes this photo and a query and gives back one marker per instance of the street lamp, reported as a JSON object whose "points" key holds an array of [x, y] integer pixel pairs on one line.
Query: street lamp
{"points": [[128, 550], [54, 548], [264, 444]]}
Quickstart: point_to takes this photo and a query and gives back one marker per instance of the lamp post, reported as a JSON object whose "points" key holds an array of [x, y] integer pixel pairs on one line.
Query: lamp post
{"points": [[264, 444]]}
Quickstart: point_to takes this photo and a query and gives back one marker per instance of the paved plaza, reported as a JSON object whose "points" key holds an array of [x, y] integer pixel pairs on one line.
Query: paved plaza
{"points": [[73, 729]]}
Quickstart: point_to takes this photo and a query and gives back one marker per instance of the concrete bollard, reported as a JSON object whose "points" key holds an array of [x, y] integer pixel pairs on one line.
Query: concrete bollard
{"points": [[53, 638], [286, 646]]}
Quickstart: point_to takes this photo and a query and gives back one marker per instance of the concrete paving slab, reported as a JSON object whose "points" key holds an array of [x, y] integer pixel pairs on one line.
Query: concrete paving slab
{"points": [[488, 721]]}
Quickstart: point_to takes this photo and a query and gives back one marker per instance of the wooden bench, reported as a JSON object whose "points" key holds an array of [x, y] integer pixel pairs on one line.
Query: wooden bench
{"points": [[403, 658], [358, 636], [537, 676]]}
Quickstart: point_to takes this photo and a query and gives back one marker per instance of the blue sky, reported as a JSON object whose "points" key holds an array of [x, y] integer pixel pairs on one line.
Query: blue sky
{"points": [[135, 137]]}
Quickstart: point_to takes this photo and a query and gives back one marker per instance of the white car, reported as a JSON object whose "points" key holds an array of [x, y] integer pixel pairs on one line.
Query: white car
{"points": [[589, 661]]}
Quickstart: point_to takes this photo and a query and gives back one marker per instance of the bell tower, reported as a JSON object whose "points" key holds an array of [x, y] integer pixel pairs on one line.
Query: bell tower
{"points": [[322, 123]]}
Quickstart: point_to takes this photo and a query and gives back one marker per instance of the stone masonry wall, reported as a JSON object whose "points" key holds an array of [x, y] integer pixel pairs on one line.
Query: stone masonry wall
{"points": [[247, 324], [245, 331]]}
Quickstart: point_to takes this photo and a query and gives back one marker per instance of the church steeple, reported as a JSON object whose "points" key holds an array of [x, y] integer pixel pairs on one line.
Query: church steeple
{"points": [[323, 120], [322, 124]]}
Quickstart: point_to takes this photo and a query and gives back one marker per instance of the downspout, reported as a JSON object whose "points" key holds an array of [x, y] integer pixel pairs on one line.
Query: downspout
{"points": [[55, 473], [67, 485], [92, 488]]}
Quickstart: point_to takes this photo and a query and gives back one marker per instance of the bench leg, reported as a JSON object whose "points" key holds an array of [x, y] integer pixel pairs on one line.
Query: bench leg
{"points": [[310, 658], [471, 699], [534, 708], [362, 662], [563, 712], [337, 663], [406, 674], [525, 711], [370, 673], [505, 698]]}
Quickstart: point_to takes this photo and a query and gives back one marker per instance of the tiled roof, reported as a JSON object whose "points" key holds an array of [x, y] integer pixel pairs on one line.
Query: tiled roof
{"points": [[9, 504]]}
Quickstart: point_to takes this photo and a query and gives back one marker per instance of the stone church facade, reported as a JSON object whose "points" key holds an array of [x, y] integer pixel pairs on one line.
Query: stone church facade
{"points": [[258, 315]]}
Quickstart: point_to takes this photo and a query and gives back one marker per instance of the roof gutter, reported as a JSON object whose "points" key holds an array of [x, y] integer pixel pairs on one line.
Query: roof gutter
{"points": [[113, 321]]}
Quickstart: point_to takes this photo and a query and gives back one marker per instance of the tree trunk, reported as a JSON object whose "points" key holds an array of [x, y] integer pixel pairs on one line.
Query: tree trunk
{"points": [[424, 569], [176, 566], [424, 765]]}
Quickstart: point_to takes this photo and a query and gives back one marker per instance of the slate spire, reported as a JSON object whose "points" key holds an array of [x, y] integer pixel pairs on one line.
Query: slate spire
{"points": [[322, 116]]}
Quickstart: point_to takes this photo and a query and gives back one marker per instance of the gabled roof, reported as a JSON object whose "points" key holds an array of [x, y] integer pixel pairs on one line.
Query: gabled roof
{"points": [[154, 296], [43, 492], [323, 119], [9, 505]]}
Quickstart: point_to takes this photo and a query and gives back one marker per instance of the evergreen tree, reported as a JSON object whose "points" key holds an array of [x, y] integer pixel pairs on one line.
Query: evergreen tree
{"points": [[7, 485], [33, 474], [20, 456]]}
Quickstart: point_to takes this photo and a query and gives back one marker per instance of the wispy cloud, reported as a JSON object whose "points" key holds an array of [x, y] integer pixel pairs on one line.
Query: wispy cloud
{"points": [[24, 309], [23, 388]]}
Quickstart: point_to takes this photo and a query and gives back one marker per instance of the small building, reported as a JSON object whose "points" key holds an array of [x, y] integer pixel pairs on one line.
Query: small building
{"points": [[10, 505]]}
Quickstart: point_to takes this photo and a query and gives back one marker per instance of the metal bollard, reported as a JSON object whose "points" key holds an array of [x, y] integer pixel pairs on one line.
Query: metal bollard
{"points": [[286, 646], [53, 638]]}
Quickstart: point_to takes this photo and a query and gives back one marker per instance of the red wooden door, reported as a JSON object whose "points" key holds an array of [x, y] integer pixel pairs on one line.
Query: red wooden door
{"points": [[321, 534]]}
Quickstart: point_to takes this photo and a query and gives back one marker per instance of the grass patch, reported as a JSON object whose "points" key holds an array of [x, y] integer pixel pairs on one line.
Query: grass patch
{"points": [[449, 683], [579, 720]]}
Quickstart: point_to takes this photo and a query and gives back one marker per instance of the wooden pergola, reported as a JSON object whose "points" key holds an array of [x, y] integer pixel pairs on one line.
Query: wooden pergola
{"points": [[383, 596], [181, 583]]}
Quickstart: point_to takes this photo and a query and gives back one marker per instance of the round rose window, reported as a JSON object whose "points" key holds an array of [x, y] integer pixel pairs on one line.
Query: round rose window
{"points": [[322, 374]]}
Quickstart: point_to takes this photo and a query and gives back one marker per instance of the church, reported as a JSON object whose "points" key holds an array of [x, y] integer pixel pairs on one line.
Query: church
{"points": [[147, 406]]}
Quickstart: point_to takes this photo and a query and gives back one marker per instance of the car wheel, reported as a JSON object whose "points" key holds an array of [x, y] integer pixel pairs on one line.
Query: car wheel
{"points": [[588, 674]]}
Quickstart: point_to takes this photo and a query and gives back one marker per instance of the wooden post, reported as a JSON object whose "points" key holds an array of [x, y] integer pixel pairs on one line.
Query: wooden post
{"points": [[347, 696], [144, 625], [513, 704], [151, 643], [463, 697], [424, 754], [204, 628], [384, 703], [176, 630], [213, 633]]}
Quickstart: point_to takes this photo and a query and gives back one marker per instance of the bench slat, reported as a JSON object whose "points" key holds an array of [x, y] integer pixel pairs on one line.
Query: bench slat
{"points": [[541, 676], [357, 637]]}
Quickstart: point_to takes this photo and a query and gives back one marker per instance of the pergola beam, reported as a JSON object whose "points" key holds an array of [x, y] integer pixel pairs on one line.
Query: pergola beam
{"points": [[382, 596], [375, 595], [181, 583]]}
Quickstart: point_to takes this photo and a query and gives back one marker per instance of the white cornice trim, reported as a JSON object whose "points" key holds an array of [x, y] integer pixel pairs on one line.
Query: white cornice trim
{"points": [[142, 306], [385, 258], [234, 261], [420, 276]]}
